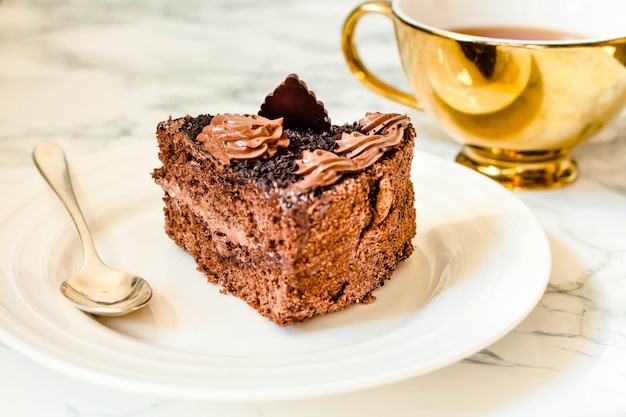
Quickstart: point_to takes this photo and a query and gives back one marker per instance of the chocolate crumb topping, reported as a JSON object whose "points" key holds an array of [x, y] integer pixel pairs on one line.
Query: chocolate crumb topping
{"points": [[306, 129], [280, 170], [293, 101], [356, 151]]}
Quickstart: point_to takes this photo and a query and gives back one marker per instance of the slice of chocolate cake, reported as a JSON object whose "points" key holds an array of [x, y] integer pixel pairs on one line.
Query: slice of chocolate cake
{"points": [[293, 215]]}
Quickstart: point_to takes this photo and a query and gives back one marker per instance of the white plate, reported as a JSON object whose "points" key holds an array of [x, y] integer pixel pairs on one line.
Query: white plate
{"points": [[481, 264]]}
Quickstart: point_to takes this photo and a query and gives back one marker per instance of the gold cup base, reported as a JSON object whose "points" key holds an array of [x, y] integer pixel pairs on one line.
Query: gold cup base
{"points": [[521, 170]]}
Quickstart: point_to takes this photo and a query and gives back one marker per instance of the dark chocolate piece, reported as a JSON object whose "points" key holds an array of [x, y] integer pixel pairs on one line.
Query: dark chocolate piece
{"points": [[299, 107]]}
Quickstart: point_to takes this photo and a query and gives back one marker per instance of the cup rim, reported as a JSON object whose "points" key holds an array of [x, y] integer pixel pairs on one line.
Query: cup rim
{"points": [[561, 43]]}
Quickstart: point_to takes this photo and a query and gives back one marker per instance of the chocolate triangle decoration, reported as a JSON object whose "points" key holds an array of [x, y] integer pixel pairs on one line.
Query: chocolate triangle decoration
{"points": [[299, 107]]}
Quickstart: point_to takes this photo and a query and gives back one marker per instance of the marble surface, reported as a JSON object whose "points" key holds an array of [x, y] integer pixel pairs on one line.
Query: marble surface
{"points": [[98, 75]]}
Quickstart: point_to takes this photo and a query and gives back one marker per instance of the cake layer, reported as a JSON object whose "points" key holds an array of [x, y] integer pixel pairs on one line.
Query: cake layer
{"points": [[288, 255]]}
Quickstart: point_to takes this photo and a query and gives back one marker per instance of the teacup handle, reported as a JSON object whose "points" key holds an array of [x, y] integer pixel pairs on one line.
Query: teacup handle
{"points": [[356, 64]]}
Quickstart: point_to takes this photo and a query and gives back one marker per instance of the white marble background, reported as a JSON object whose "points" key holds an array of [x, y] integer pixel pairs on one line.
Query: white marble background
{"points": [[98, 74]]}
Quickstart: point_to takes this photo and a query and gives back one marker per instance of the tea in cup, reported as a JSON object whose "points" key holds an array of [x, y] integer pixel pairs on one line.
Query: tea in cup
{"points": [[519, 83]]}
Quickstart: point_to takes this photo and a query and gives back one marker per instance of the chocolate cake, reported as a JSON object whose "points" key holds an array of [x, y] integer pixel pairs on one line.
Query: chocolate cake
{"points": [[294, 215]]}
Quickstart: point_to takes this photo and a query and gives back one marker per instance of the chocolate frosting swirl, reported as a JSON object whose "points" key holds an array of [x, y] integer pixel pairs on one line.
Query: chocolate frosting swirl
{"points": [[320, 168], [242, 136], [381, 131], [356, 150]]}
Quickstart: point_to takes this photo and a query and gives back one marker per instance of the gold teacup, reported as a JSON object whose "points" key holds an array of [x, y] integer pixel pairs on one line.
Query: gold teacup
{"points": [[518, 83]]}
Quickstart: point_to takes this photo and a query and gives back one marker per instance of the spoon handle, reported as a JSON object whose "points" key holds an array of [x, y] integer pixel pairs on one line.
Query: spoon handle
{"points": [[50, 160]]}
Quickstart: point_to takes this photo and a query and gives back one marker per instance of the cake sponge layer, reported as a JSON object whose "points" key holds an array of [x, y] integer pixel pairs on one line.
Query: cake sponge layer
{"points": [[289, 256]]}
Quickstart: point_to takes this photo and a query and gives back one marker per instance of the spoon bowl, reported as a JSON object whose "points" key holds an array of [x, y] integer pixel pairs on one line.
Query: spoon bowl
{"points": [[97, 288], [104, 291]]}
